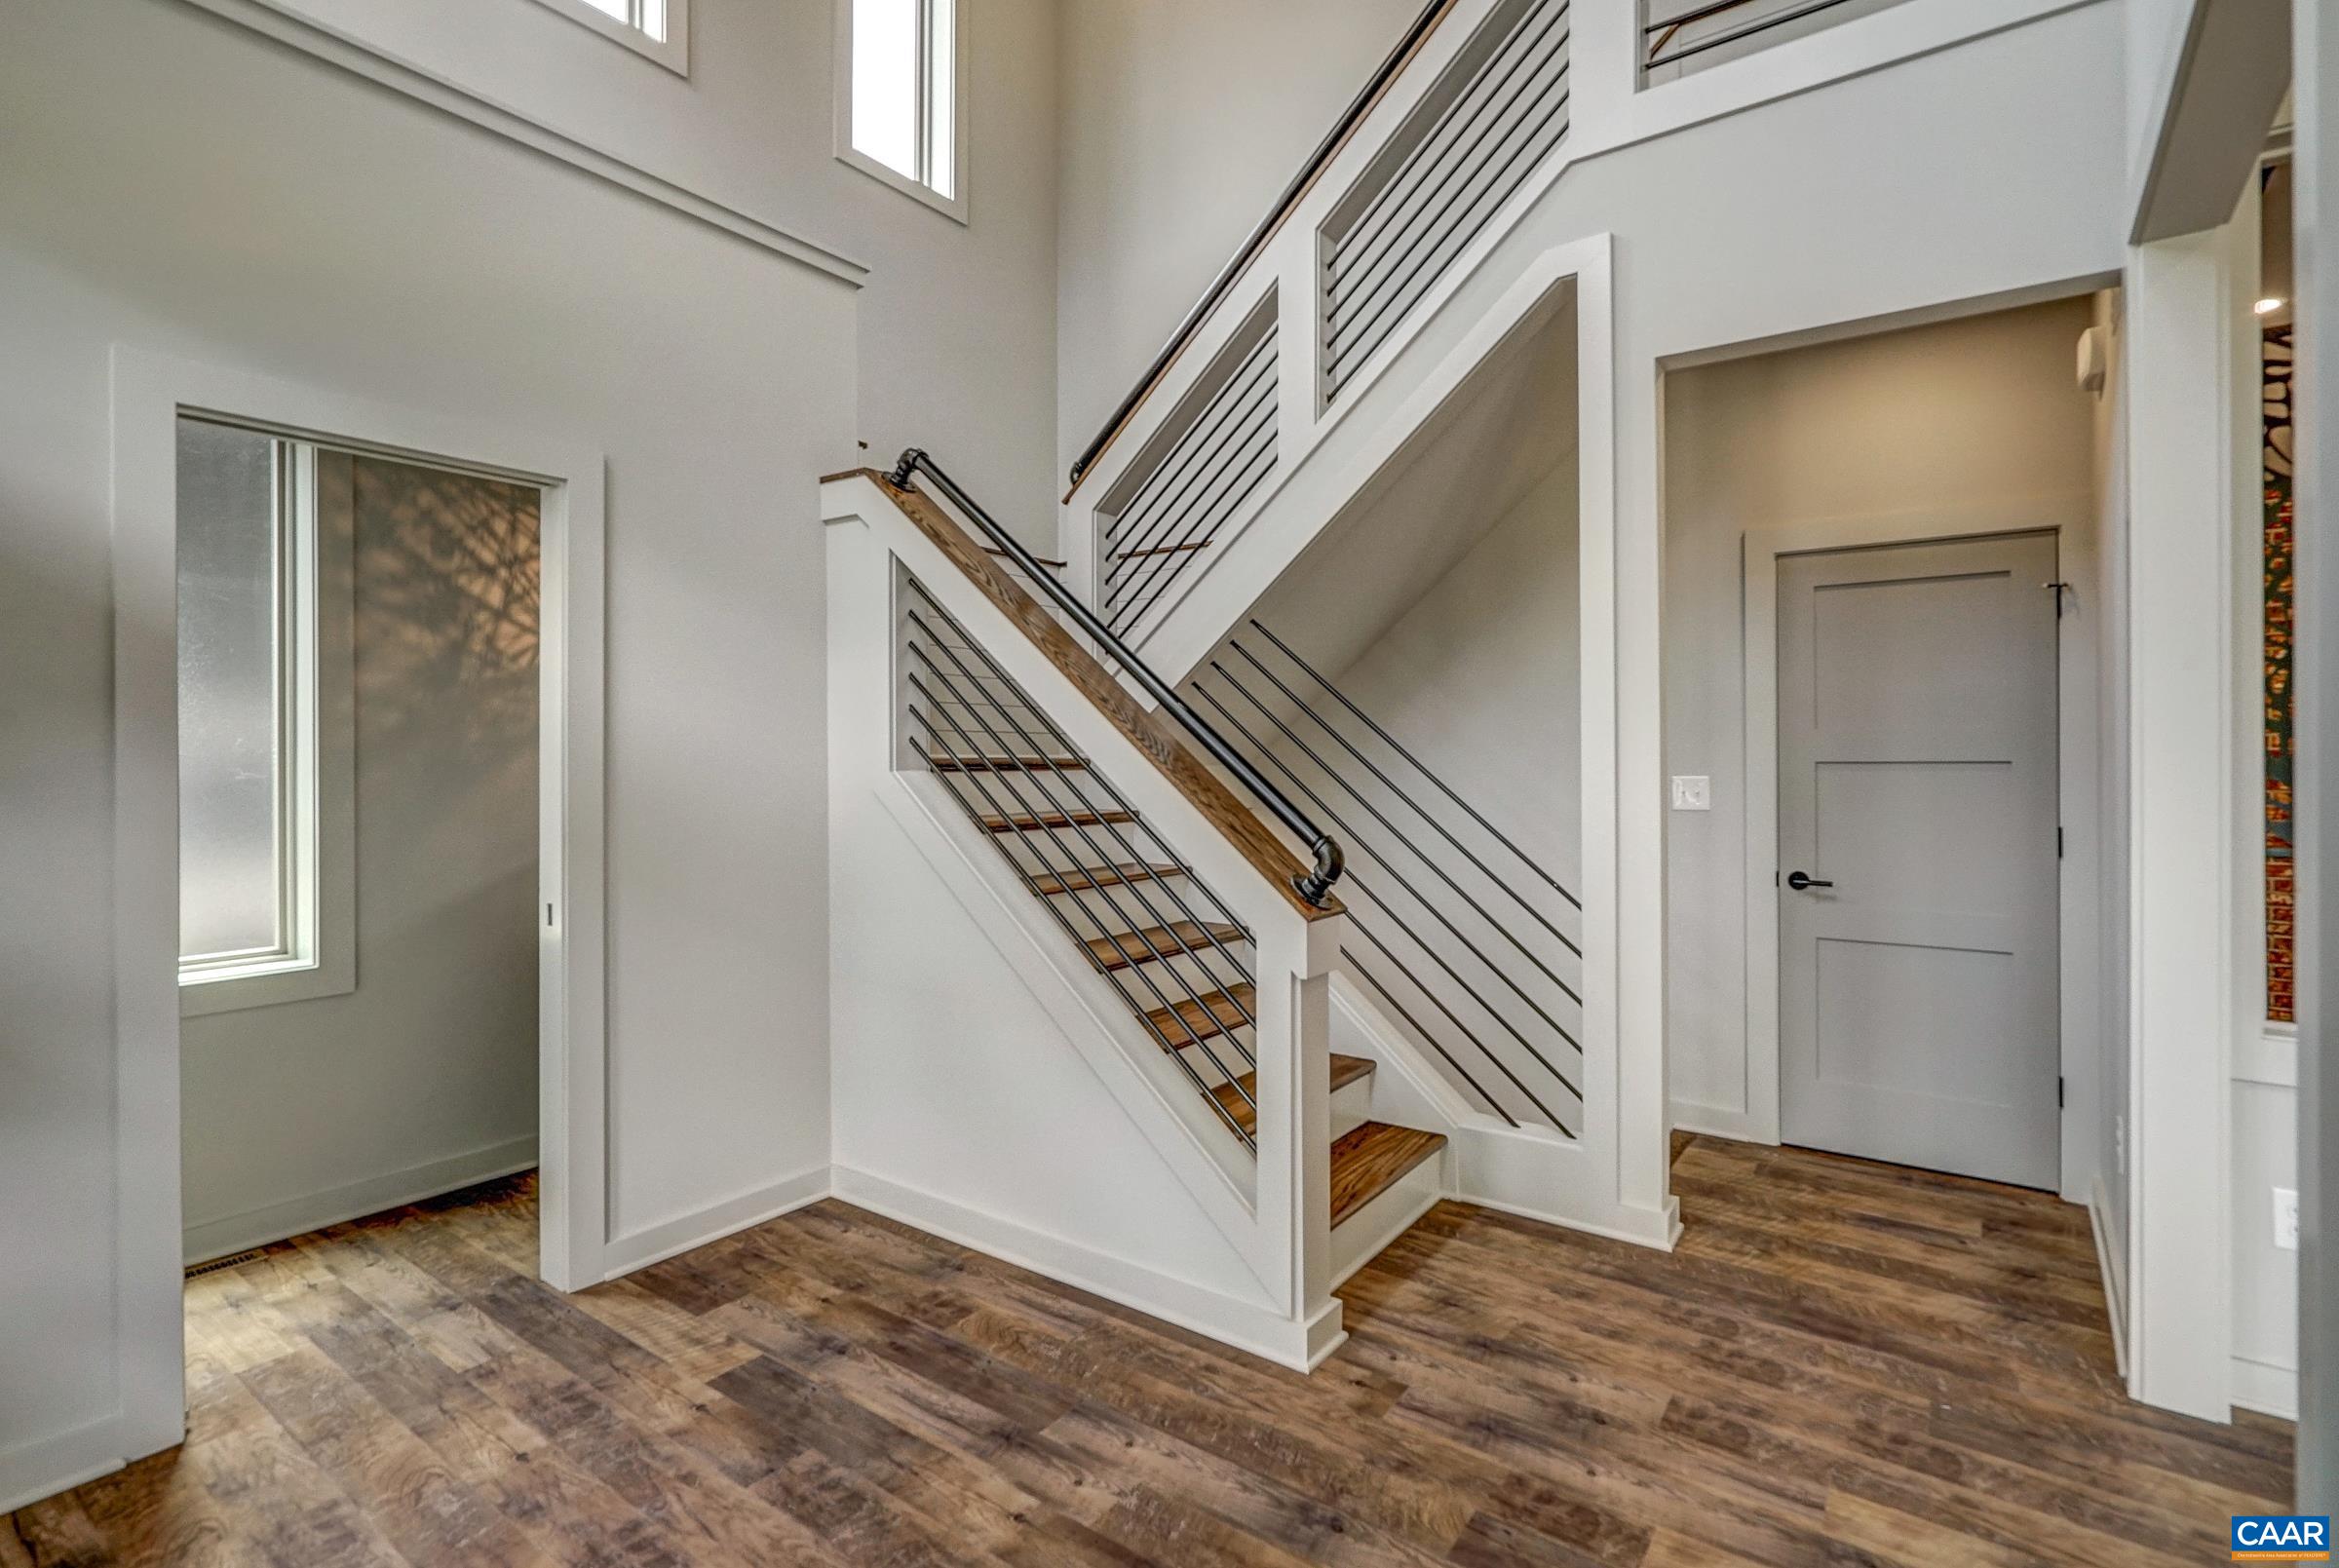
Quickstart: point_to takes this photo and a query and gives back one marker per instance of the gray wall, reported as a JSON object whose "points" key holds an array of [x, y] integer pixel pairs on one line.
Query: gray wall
{"points": [[424, 1077], [957, 323], [1183, 120], [174, 183]]}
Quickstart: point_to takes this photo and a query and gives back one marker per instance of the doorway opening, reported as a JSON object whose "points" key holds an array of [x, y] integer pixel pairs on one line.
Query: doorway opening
{"points": [[359, 643], [1891, 585]]}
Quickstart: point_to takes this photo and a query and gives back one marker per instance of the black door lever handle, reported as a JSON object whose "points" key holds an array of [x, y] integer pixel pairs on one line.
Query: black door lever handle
{"points": [[1799, 881]]}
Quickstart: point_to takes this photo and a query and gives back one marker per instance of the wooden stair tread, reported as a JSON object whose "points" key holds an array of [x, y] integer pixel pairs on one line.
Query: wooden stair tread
{"points": [[1140, 946], [1050, 822], [1092, 877], [1188, 1021], [1373, 1157], [1239, 1103], [945, 763]]}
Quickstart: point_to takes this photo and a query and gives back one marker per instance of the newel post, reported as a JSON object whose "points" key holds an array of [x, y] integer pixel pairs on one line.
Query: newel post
{"points": [[1296, 955]]}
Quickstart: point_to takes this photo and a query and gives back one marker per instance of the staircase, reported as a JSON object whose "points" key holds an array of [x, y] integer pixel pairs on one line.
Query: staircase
{"points": [[1135, 911], [1129, 868]]}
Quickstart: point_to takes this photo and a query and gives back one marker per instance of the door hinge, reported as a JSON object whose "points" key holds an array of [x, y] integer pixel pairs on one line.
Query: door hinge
{"points": [[2059, 1094], [2058, 842], [2057, 588]]}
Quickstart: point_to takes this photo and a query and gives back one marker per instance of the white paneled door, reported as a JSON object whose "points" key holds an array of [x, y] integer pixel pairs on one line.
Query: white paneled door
{"points": [[1917, 855]]}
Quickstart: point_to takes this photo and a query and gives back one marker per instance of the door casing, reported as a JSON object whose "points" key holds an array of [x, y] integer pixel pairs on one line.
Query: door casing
{"points": [[2077, 975]]}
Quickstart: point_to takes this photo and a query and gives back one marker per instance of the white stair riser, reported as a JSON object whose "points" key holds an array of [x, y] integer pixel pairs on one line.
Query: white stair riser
{"points": [[1361, 1238]]}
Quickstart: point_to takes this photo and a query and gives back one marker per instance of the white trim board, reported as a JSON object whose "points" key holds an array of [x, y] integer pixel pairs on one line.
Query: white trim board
{"points": [[372, 1194], [671, 51], [2115, 1285], [2056, 514], [2263, 1386], [686, 1233], [149, 393], [1245, 1325], [287, 23]]}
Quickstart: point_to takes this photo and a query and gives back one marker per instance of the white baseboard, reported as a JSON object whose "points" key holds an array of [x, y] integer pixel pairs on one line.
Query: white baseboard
{"points": [[43, 1466], [2114, 1284], [1716, 1122], [1247, 1326], [314, 1212], [2263, 1386], [655, 1243]]}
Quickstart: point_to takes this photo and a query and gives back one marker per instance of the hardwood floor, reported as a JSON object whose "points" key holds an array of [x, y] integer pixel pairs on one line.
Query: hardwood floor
{"points": [[1844, 1363]]}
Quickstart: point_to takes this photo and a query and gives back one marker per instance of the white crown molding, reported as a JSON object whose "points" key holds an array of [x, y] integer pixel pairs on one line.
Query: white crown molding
{"points": [[280, 21]]}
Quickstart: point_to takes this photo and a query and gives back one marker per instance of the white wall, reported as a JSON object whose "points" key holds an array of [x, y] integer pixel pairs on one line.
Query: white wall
{"points": [[424, 1078], [2110, 1190], [957, 324], [1977, 417], [1480, 676], [1183, 121], [176, 184]]}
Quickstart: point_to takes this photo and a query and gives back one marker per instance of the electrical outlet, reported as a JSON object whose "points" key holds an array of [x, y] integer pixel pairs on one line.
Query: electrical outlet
{"points": [[1693, 791], [2285, 1218]]}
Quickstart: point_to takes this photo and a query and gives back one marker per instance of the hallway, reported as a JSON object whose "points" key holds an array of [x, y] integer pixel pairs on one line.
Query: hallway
{"points": [[1843, 1363]]}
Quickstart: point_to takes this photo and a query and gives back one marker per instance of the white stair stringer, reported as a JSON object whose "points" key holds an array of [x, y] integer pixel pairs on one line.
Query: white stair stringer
{"points": [[988, 1084]]}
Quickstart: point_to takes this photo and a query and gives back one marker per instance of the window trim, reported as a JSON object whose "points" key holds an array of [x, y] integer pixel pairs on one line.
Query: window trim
{"points": [[953, 206], [316, 956], [671, 51]]}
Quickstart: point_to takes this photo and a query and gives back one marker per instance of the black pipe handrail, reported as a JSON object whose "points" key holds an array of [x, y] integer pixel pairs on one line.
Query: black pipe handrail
{"points": [[1220, 285], [1313, 886]]}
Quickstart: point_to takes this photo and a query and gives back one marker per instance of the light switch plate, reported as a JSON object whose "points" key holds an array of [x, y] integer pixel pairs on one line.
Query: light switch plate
{"points": [[2285, 1218], [1693, 791]]}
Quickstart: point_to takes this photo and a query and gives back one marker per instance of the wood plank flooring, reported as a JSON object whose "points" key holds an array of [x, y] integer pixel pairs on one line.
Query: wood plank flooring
{"points": [[1844, 1363]]}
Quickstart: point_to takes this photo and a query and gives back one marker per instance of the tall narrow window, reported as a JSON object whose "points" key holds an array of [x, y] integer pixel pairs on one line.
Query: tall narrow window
{"points": [[240, 596], [899, 100], [263, 703]]}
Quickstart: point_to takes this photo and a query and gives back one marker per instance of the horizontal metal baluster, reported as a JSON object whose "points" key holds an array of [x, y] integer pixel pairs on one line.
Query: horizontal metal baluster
{"points": [[1252, 476], [1302, 704], [1123, 802], [1419, 766], [1313, 885], [1255, 433], [1442, 874], [1358, 109], [1165, 849], [1499, 75], [1145, 1016], [1133, 971], [1450, 124], [1251, 439], [1443, 214], [1209, 430], [1500, 1065], [1374, 980], [1385, 907], [1462, 230], [1356, 298], [1148, 916], [1151, 917], [1760, 25]]}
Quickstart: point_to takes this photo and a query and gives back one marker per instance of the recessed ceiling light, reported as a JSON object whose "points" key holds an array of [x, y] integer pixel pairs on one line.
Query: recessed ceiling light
{"points": [[2267, 307]]}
